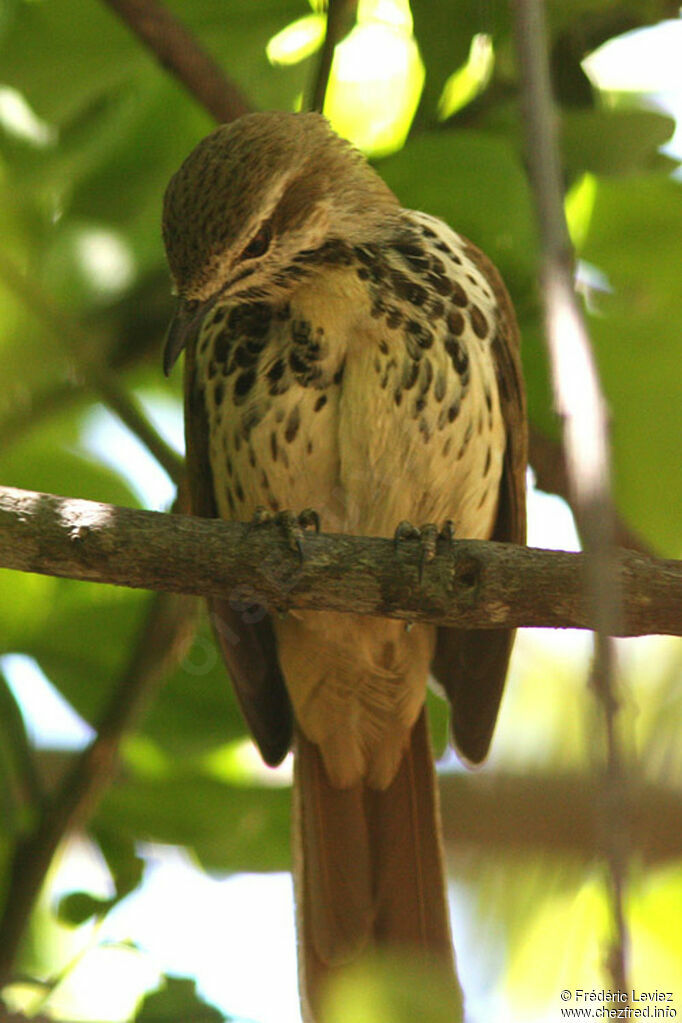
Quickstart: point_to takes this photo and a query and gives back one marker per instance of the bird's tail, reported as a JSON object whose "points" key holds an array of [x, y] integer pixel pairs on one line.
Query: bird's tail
{"points": [[368, 868]]}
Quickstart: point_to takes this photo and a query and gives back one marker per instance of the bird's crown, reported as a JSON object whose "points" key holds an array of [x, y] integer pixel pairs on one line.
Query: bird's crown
{"points": [[258, 191]]}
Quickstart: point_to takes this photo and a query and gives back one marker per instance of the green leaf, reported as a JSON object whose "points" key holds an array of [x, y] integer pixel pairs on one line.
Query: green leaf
{"points": [[77, 907], [196, 710], [176, 999], [230, 828], [613, 142], [634, 238]]}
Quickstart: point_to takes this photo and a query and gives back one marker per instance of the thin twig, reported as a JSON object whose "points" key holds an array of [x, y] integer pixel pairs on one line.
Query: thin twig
{"points": [[162, 638], [581, 405], [470, 583], [99, 377], [340, 19], [179, 52]]}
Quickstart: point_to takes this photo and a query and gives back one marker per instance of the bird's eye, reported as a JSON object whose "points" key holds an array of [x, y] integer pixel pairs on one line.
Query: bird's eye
{"points": [[259, 244]]}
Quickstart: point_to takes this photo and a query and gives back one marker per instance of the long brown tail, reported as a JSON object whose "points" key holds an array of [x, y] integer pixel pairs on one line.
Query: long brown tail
{"points": [[368, 867]]}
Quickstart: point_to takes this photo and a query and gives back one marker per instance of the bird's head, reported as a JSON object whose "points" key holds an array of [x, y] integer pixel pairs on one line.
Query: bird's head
{"points": [[253, 196]]}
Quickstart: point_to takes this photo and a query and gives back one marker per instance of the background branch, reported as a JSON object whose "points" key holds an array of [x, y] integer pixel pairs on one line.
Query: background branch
{"points": [[163, 637], [104, 382], [582, 408], [470, 583], [340, 19], [179, 52]]}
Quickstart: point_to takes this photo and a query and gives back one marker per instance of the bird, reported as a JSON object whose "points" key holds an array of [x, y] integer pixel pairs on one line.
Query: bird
{"points": [[347, 355]]}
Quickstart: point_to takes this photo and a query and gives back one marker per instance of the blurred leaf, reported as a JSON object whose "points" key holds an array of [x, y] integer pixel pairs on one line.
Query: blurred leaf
{"points": [[229, 828], [77, 907], [634, 238], [196, 710], [125, 865], [176, 1000], [394, 988], [613, 142]]}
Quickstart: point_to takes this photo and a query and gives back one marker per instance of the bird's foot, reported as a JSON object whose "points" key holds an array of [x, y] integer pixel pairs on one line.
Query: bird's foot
{"points": [[428, 537], [293, 526]]}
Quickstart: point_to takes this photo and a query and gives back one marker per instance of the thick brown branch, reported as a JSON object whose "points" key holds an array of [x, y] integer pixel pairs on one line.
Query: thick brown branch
{"points": [[179, 52], [469, 583]]}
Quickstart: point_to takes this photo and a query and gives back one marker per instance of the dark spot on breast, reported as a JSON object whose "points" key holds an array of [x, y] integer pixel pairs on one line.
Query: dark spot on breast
{"points": [[459, 295], [274, 447], [237, 440], [301, 331], [426, 376], [458, 355], [293, 423], [419, 406], [222, 345], [483, 498], [447, 446], [243, 384], [488, 456], [383, 347], [230, 501], [428, 232], [488, 399], [275, 374], [410, 374], [218, 393], [436, 309], [244, 358], [408, 289], [393, 317], [453, 411], [264, 481], [424, 429], [363, 273], [320, 403], [420, 333], [228, 465], [443, 285], [478, 322], [398, 396], [439, 386], [309, 447], [338, 376], [252, 457], [219, 314]]}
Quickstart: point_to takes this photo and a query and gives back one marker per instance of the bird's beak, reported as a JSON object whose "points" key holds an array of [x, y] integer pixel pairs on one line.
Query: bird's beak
{"points": [[187, 320]]}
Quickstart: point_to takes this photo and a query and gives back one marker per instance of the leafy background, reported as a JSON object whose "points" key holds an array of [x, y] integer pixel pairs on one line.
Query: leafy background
{"points": [[90, 130]]}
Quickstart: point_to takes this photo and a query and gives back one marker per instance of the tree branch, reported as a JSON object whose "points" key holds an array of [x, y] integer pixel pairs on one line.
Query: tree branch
{"points": [[497, 813], [470, 583], [101, 379], [340, 19], [179, 52], [582, 407]]}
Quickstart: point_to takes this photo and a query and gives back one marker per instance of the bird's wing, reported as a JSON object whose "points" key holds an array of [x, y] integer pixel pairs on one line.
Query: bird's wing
{"points": [[471, 664], [248, 649]]}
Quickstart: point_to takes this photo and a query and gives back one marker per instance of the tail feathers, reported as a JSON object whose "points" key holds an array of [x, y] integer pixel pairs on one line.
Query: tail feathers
{"points": [[368, 867]]}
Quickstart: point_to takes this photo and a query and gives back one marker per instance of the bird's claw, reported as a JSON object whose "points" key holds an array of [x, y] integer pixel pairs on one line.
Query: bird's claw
{"points": [[293, 526], [428, 537]]}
